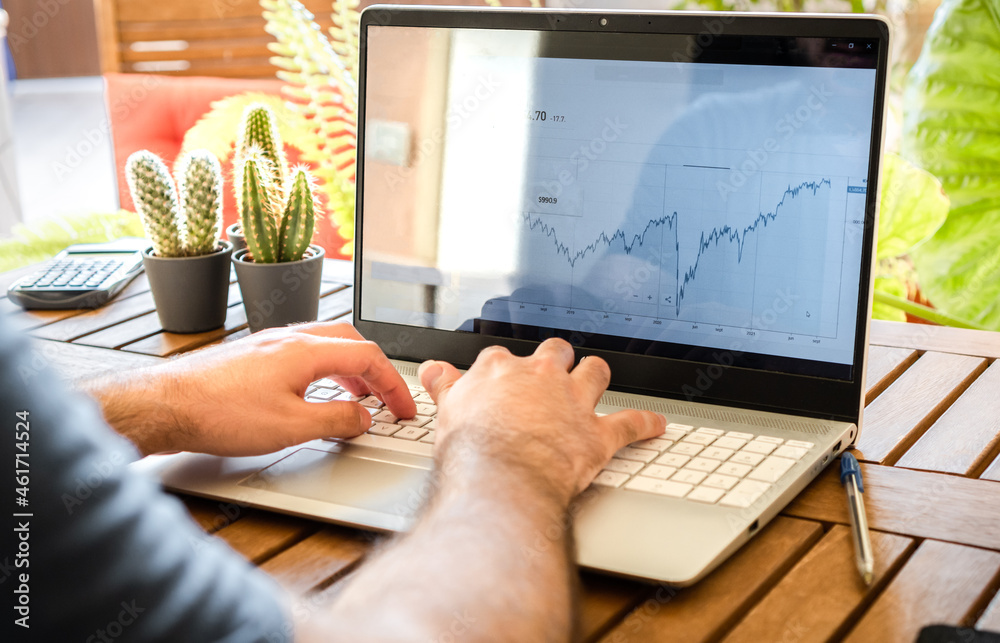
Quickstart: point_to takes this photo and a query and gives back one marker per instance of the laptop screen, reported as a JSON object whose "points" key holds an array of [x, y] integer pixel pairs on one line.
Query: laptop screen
{"points": [[671, 195]]}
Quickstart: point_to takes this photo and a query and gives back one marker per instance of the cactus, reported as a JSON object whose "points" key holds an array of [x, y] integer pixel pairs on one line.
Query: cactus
{"points": [[258, 130], [199, 185], [155, 198], [277, 209], [179, 226]]}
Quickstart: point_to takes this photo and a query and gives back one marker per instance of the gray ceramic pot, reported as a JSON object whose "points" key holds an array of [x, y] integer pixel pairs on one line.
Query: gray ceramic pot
{"points": [[235, 235], [278, 294], [190, 293]]}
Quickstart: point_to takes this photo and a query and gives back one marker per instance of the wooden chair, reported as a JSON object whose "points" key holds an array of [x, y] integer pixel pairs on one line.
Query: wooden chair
{"points": [[198, 37]]}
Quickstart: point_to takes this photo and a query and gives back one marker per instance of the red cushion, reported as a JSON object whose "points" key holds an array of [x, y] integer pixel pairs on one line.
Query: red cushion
{"points": [[154, 112]]}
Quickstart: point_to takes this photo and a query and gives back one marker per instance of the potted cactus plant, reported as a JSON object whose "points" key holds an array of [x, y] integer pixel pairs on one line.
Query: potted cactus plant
{"points": [[280, 270], [187, 265]]}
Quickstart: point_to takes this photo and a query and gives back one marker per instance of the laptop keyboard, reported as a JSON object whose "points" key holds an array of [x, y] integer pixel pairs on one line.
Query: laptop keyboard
{"points": [[704, 464], [419, 428], [701, 464]]}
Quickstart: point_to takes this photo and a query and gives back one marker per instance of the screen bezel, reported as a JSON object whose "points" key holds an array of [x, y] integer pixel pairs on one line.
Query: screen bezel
{"points": [[810, 396]]}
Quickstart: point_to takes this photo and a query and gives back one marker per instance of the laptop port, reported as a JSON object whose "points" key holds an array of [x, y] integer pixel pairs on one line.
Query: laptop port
{"points": [[754, 526]]}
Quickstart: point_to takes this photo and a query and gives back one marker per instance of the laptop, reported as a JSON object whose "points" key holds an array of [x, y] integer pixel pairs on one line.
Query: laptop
{"points": [[692, 197]]}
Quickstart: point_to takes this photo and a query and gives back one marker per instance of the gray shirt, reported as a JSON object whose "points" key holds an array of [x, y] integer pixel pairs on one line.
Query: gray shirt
{"points": [[105, 555]]}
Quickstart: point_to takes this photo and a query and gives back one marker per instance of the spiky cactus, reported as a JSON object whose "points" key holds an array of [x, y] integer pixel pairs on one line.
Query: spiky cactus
{"points": [[155, 198], [184, 225], [199, 185], [258, 130], [277, 208]]}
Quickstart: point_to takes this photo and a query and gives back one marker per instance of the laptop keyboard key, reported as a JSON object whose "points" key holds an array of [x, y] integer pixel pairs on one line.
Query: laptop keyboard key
{"points": [[744, 494], [410, 433], [676, 460], [686, 448], [659, 471], [707, 495], [729, 443], [715, 453], [703, 464], [623, 466], [639, 455], [785, 451], [771, 469], [661, 487], [372, 402], [733, 469], [610, 479], [415, 421], [698, 438], [720, 481], [381, 428], [759, 446], [746, 457], [658, 444], [689, 476]]}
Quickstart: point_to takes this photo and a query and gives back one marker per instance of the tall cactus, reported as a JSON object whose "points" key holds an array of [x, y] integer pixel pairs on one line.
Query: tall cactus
{"points": [[155, 198], [300, 215], [259, 130], [261, 206], [179, 226], [199, 184], [277, 209]]}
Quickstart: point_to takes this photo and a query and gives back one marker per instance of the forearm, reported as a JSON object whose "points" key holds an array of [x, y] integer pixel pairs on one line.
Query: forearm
{"points": [[139, 406], [489, 560]]}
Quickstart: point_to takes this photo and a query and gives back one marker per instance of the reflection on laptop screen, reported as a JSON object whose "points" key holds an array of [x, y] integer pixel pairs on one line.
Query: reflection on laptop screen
{"points": [[630, 192]]}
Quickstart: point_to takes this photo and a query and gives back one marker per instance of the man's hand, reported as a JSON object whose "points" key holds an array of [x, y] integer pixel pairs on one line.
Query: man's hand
{"points": [[536, 412], [517, 438], [246, 397]]}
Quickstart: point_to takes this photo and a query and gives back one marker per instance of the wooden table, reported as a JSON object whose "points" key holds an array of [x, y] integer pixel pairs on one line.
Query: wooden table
{"points": [[930, 448]]}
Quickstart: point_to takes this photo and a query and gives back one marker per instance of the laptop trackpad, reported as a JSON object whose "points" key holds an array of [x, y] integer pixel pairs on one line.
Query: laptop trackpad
{"points": [[395, 484]]}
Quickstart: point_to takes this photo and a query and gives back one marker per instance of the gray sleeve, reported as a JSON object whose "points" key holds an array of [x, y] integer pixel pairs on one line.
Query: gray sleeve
{"points": [[110, 557]]}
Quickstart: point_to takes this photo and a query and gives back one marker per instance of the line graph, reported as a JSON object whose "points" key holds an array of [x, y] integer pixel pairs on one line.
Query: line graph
{"points": [[725, 233], [697, 262]]}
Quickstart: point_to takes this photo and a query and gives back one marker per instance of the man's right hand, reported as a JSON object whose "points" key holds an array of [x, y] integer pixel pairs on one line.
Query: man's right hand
{"points": [[535, 413]]}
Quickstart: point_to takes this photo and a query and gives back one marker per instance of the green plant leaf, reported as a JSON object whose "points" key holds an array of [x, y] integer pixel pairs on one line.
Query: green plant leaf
{"points": [[952, 100], [893, 286], [912, 207], [41, 240]]}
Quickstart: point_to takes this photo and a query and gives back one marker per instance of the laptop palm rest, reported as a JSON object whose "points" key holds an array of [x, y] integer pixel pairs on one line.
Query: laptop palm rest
{"points": [[366, 479]]}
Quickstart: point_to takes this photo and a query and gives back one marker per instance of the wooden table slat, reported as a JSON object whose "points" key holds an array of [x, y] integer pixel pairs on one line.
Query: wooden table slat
{"points": [[123, 333], [85, 362], [260, 535], [940, 583], [706, 610], [823, 595], [912, 503], [967, 437], [885, 365], [990, 620], [91, 321], [318, 558], [941, 339], [605, 600], [213, 515], [993, 471], [899, 416]]}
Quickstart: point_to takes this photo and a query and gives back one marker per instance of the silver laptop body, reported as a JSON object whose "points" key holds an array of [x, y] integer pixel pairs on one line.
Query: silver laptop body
{"points": [[685, 195]]}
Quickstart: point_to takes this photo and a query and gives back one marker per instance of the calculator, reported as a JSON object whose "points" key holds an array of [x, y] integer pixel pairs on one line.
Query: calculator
{"points": [[81, 276]]}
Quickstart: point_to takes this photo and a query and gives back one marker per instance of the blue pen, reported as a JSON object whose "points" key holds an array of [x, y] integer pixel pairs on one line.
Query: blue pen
{"points": [[850, 477]]}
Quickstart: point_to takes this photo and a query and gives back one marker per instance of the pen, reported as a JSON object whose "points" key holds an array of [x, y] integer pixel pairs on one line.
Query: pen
{"points": [[850, 477]]}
